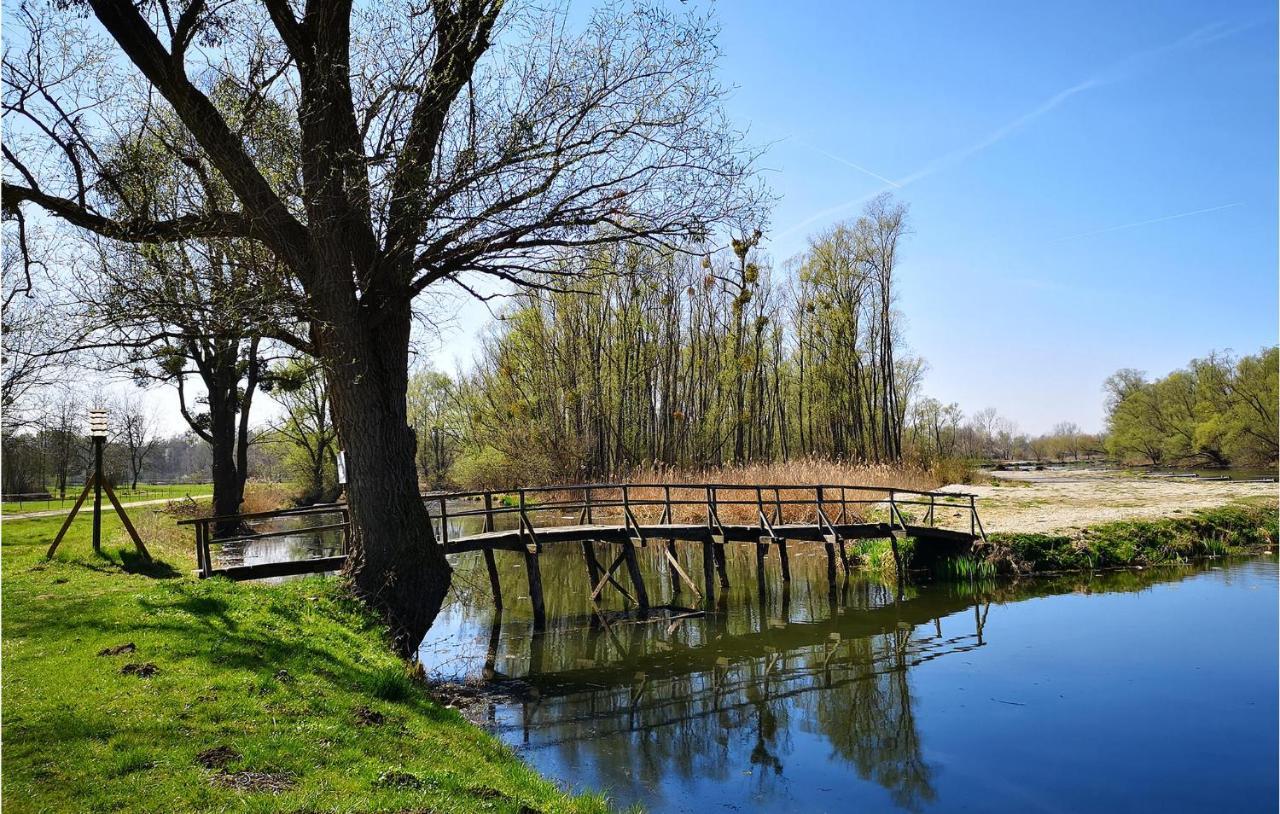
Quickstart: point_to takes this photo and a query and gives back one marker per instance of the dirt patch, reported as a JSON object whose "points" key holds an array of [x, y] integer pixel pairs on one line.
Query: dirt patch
{"points": [[118, 650], [1049, 501], [218, 757], [273, 782], [145, 670], [369, 717]]}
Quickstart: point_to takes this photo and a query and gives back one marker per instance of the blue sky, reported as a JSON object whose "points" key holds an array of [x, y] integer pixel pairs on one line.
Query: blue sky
{"points": [[1092, 184], [1045, 151]]}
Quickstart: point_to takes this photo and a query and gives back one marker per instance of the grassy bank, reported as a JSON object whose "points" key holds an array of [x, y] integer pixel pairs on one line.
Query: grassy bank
{"points": [[163, 491], [139, 688], [1241, 528]]}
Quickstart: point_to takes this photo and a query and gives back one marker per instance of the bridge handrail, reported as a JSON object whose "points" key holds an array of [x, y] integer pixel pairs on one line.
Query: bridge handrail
{"points": [[625, 500]]}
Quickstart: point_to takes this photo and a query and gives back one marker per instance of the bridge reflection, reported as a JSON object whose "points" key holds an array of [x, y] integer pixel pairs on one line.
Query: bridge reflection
{"points": [[715, 694]]}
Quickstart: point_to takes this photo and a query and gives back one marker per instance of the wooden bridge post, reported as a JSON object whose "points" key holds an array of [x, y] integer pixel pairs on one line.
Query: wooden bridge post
{"points": [[593, 565], [893, 537], [762, 548], [713, 520], [708, 571], [534, 573], [532, 569], [489, 563], [637, 579], [666, 518]]}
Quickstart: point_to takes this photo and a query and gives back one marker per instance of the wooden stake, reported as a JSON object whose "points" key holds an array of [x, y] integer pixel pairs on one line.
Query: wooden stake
{"points": [[128, 525], [67, 523]]}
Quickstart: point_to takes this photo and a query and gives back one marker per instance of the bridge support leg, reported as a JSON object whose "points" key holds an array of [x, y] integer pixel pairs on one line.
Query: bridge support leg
{"points": [[708, 572], [762, 549], [844, 555], [671, 568], [534, 573], [785, 560], [718, 548], [593, 565], [831, 563], [637, 579], [492, 568]]}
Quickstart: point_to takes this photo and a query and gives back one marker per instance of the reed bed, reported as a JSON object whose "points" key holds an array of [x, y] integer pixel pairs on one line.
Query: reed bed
{"points": [[739, 501]]}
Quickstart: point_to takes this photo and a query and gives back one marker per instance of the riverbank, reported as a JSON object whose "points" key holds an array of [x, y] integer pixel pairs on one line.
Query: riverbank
{"points": [[1077, 520], [135, 687], [1068, 501], [1235, 529]]}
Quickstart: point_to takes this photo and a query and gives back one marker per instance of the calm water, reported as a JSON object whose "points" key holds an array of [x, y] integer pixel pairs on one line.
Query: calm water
{"points": [[1131, 691]]}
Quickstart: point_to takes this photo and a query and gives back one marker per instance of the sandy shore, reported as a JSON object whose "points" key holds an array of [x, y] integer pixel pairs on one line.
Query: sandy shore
{"points": [[1063, 501]]}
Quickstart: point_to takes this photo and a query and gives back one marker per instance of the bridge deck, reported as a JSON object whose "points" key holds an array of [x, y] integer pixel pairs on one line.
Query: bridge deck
{"points": [[516, 540], [775, 514]]}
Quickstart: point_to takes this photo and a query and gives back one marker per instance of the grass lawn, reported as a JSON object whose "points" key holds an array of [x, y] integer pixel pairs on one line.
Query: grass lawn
{"points": [[167, 491], [227, 697]]}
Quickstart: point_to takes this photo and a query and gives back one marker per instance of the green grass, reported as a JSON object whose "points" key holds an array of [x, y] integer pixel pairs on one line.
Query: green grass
{"points": [[169, 491], [1234, 529], [278, 679]]}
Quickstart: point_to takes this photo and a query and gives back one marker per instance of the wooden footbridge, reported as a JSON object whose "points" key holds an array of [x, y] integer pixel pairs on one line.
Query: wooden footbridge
{"points": [[625, 516]]}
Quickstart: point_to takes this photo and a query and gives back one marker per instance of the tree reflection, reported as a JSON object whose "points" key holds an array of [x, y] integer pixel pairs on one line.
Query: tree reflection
{"points": [[766, 679]]}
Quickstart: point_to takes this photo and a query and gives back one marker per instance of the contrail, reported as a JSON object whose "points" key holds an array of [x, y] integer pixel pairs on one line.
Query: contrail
{"points": [[1149, 221], [1122, 69], [849, 163]]}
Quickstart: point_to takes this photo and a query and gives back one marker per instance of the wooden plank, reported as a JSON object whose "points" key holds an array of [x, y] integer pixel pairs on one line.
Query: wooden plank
{"points": [[284, 568], [609, 580], [678, 571]]}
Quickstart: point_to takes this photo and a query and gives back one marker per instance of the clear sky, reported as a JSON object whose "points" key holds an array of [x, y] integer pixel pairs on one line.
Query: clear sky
{"points": [[1092, 184]]}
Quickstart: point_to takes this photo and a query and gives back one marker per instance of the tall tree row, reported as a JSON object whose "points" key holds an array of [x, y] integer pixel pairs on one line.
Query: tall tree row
{"points": [[695, 360]]}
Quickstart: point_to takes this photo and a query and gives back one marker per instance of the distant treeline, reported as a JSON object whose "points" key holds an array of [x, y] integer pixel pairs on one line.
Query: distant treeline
{"points": [[1218, 410], [695, 361]]}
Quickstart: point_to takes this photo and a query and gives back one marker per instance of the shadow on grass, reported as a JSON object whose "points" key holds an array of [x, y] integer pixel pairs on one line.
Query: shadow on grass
{"points": [[131, 562]]}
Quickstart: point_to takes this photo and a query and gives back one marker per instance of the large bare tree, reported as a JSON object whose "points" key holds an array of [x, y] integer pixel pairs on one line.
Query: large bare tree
{"points": [[437, 140]]}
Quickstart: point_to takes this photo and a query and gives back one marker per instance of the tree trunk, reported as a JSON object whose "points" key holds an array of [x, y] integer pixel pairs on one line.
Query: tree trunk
{"points": [[228, 479], [395, 564]]}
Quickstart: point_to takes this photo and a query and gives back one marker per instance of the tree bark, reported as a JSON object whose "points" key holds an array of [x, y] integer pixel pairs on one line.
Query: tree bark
{"points": [[404, 574], [228, 479]]}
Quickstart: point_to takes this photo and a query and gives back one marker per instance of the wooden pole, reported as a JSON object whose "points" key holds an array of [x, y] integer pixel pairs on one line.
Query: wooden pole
{"points": [[66, 524], [97, 494], [492, 567], [534, 574], [637, 579], [128, 525], [672, 568], [593, 565], [708, 571]]}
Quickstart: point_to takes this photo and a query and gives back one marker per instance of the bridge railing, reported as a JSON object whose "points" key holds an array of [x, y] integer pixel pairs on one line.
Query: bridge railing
{"points": [[630, 504]]}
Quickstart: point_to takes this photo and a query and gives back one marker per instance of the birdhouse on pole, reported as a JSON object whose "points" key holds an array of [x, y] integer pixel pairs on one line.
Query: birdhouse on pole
{"points": [[98, 426]]}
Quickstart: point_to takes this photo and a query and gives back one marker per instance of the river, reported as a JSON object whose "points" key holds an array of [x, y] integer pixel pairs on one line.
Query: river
{"points": [[1125, 691]]}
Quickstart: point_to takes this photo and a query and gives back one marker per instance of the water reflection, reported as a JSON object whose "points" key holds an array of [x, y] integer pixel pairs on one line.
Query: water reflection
{"points": [[747, 703]]}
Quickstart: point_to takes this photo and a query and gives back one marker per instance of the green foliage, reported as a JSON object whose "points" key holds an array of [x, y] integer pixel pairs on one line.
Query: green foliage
{"points": [[1214, 532], [1218, 410], [307, 433], [484, 468]]}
